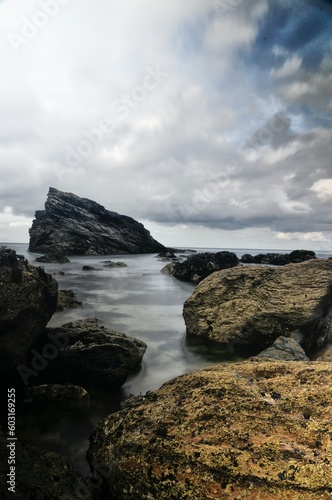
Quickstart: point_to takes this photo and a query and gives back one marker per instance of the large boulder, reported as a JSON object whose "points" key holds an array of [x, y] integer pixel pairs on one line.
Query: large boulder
{"points": [[199, 266], [240, 431], [278, 259], [28, 299], [87, 353], [249, 307], [73, 225], [39, 475]]}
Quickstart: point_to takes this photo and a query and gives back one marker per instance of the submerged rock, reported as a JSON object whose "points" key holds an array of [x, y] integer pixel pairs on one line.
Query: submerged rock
{"points": [[246, 430], [278, 259], [91, 354], [199, 266], [28, 298], [58, 258], [249, 307], [110, 263], [77, 226]]}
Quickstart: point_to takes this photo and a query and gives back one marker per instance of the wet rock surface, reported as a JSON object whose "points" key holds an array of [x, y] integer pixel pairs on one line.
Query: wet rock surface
{"points": [[240, 431], [249, 307], [77, 226], [28, 298], [199, 266]]}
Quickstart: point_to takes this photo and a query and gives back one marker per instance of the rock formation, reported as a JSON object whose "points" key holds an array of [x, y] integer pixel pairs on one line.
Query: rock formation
{"points": [[199, 266], [241, 431], [77, 226], [28, 299], [90, 354], [278, 259], [250, 306]]}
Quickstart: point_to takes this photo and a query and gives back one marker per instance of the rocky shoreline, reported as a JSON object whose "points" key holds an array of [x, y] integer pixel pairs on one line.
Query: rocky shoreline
{"points": [[200, 435]]}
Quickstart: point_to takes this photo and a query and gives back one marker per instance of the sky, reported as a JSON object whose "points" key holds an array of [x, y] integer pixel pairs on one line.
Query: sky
{"points": [[210, 121]]}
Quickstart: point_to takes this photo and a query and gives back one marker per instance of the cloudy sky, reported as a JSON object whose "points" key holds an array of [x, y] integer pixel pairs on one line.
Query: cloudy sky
{"points": [[207, 120]]}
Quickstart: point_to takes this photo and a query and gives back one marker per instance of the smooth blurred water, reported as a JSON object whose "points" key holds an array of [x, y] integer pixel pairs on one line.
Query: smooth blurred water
{"points": [[137, 300]]}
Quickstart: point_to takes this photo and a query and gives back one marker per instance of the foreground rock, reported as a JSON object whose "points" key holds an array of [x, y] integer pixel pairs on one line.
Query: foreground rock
{"points": [[73, 225], [28, 298], [41, 475], [199, 266], [278, 259], [91, 355], [240, 431], [249, 307]]}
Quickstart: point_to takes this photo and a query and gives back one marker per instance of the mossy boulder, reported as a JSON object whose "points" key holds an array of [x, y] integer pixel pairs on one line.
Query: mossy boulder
{"points": [[250, 430], [249, 307]]}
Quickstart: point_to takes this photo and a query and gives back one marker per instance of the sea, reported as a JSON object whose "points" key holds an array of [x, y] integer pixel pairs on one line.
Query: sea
{"points": [[137, 300]]}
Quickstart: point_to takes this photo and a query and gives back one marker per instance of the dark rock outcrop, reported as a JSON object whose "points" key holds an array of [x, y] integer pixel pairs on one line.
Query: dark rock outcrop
{"points": [[77, 226], [41, 475], [56, 258], [241, 431], [91, 354], [199, 266], [277, 259], [283, 349], [250, 306], [67, 299], [28, 298]]}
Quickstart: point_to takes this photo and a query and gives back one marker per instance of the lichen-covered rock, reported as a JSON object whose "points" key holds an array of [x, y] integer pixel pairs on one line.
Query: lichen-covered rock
{"points": [[248, 307], [41, 475], [240, 431], [283, 349], [201, 265], [77, 226], [28, 298]]}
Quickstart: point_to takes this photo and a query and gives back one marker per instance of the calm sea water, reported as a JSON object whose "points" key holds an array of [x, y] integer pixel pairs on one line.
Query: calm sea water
{"points": [[140, 301]]}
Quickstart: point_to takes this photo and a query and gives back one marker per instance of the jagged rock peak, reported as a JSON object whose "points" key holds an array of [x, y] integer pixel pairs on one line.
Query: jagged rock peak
{"points": [[78, 226]]}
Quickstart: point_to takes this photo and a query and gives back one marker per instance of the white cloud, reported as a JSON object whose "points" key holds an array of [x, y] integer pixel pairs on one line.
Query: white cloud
{"points": [[323, 189]]}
